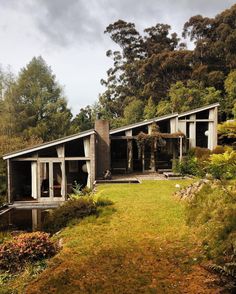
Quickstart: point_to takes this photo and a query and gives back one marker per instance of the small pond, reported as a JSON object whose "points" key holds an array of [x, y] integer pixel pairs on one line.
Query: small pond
{"points": [[23, 219]]}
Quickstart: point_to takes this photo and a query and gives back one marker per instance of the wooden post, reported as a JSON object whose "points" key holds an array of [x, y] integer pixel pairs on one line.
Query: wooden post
{"points": [[9, 181], [152, 159], [130, 155], [180, 148], [192, 131], [143, 158]]}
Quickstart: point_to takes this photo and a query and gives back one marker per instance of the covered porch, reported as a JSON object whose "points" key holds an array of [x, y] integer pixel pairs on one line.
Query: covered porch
{"points": [[127, 156]]}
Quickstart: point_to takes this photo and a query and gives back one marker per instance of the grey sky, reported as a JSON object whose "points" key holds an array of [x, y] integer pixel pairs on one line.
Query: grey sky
{"points": [[69, 35]]}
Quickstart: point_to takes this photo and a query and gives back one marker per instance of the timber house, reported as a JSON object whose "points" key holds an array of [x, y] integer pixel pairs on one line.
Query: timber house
{"points": [[47, 172]]}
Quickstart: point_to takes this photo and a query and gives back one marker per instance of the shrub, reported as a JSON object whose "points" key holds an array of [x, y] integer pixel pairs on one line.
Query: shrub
{"points": [[78, 191], [188, 166], [103, 202], [227, 130], [72, 209], [201, 153], [213, 210], [25, 248], [223, 166], [218, 150]]}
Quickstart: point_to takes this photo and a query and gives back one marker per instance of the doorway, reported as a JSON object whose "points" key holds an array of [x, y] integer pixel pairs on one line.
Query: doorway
{"points": [[51, 180]]}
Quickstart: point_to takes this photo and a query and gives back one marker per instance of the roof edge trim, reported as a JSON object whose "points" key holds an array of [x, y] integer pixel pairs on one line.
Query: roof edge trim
{"points": [[48, 144]]}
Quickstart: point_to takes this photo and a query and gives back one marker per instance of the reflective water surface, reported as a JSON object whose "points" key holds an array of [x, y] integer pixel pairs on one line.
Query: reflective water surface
{"points": [[23, 219]]}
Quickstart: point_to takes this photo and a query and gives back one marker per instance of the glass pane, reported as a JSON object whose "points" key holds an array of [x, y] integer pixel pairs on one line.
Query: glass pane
{"points": [[44, 179], [57, 179]]}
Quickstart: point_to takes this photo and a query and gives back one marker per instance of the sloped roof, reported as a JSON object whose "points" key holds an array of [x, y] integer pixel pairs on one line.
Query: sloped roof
{"points": [[114, 131], [143, 123], [198, 109], [48, 144]]}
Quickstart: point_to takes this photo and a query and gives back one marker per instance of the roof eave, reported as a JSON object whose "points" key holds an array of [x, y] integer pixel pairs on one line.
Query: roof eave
{"points": [[47, 144], [143, 123], [199, 109]]}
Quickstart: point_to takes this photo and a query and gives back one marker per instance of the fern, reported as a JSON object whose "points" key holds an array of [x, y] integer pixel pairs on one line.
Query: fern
{"points": [[227, 270]]}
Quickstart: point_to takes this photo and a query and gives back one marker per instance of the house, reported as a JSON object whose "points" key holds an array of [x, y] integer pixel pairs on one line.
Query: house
{"points": [[47, 172]]}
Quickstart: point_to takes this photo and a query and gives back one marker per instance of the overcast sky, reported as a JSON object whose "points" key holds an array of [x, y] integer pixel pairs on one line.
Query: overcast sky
{"points": [[68, 34]]}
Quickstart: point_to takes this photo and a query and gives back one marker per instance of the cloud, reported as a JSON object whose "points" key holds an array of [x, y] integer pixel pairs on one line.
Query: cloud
{"points": [[66, 22]]}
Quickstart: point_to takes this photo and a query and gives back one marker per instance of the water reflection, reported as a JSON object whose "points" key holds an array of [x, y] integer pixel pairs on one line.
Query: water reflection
{"points": [[23, 219]]}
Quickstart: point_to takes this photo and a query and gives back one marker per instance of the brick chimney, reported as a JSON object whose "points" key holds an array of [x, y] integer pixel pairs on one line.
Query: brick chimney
{"points": [[102, 147]]}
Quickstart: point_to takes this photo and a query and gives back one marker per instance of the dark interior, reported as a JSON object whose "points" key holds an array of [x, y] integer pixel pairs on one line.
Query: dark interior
{"points": [[201, 138], [74, 148], [119, 156], [21, 180], [74, 174]]}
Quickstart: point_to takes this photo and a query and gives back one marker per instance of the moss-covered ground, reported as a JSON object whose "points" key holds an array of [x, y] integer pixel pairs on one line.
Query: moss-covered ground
{"points": [[141, 244]]}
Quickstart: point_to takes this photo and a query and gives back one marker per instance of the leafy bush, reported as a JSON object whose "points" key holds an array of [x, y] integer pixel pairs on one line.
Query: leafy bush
{"points": [[223, 166], [74, 208], [188, 166], [227, 130], [103, 202], [219, 150], [25, 248], [213, 210], [78, 191], [201, 153], [220, 163]]}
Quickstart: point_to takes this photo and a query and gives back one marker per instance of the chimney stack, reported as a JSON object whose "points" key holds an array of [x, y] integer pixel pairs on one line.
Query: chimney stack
{"points": [[102, 147]]}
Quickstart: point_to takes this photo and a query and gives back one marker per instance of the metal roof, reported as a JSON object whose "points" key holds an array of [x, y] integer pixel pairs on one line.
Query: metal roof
{"points": [[48, 144]]}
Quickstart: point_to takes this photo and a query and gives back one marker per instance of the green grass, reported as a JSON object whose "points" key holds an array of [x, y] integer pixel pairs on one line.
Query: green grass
{"points": [[141, 244]]}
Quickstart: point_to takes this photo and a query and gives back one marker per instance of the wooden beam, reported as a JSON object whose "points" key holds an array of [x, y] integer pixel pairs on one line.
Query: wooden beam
{"points": [[196, 120], [122, 137], [49, 159], [9, 180]]}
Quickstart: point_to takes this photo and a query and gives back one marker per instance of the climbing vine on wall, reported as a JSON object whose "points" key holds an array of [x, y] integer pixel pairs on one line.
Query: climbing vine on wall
{"points": [[154, 140]]}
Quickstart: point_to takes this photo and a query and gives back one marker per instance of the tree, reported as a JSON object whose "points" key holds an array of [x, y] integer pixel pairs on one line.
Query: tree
{"points": [[215, 50], [230, 97], [145, 66], [185, 97], [83, 120], [133, 112], [35, 105], [9, 144], [150, 109]]}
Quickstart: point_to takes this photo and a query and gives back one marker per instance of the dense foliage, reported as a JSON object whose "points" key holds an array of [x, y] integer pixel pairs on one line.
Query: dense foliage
{"points": [[25, 248], [154, 72], [34, 105], [214, 208], [33, 109], [213, 211], [72, 209], [219, 163], [227, 132]]}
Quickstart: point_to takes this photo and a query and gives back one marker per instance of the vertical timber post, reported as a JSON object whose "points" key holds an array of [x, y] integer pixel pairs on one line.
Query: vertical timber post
{"points": [[9, 181], [129, 151]]}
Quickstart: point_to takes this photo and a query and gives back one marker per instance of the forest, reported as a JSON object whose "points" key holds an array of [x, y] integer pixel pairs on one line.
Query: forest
{"points": [[153, 73]]}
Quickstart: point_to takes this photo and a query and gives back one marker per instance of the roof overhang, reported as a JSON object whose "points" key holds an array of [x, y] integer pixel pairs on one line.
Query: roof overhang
{"points": [[48, 144], [143, 123], [199, 109]]}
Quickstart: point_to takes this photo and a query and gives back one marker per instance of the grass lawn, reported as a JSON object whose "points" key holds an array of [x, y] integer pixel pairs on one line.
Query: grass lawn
{"points": [[139, 245]]}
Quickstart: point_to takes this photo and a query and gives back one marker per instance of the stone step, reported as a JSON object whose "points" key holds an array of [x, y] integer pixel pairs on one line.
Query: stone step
{"points": [[164, 170]]}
